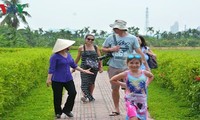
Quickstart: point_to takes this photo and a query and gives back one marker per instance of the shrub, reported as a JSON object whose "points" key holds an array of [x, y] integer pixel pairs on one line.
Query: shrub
{"points": [[21, 70]]}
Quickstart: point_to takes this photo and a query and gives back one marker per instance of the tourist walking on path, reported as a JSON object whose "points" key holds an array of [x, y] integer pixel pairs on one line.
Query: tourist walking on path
{"points": [[145, 49], [136, 82], [89, 51], [60, 77], [121, 44]]}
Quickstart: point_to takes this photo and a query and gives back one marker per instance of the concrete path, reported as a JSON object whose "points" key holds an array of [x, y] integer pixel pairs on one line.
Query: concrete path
{"points": [[103, 104]]}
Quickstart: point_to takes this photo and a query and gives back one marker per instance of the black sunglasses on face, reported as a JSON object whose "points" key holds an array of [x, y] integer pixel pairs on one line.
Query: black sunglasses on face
{"points": [[90, 39]]}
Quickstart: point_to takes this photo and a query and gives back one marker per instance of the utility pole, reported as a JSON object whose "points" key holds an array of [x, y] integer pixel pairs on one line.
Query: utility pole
{"points": [[146, 20]]}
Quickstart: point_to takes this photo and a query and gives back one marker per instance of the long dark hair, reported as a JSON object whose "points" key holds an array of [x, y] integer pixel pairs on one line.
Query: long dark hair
{"points": [[144, 44]]}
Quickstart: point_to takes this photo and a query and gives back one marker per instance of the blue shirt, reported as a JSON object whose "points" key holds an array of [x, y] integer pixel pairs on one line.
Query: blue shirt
{"points": [[60, 67], [127, 45]]}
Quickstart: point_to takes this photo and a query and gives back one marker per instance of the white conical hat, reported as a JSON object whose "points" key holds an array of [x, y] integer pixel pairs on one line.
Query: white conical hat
{"points": [[61, 44]]}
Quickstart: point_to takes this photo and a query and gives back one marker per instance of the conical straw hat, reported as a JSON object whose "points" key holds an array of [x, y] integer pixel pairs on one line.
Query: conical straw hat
{"points": [[62, 44]]}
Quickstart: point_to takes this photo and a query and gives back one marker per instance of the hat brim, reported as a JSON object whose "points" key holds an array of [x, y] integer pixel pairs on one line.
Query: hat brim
{"points": [[117, 26], [62, 44]]}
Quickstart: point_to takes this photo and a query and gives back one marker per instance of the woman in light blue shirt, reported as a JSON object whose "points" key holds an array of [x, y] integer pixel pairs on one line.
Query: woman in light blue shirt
{"points": [[145, 49]]}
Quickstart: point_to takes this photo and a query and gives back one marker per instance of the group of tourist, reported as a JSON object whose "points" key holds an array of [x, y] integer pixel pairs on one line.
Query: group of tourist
{"points": [[128, 69]]}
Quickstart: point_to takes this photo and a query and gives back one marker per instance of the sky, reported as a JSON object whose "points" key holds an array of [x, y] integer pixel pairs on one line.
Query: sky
{"points": [[99, 14]]}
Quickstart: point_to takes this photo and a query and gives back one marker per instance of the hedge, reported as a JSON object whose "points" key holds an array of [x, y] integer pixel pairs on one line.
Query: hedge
{"points": [[178, 70], [20, 71]]}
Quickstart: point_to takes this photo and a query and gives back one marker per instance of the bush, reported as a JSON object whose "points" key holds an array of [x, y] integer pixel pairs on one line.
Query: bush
{"points": [[21, 70], [178, 71]]}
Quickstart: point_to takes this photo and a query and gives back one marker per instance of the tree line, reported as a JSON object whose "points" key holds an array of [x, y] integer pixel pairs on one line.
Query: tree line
{"points": [[11, 36]]}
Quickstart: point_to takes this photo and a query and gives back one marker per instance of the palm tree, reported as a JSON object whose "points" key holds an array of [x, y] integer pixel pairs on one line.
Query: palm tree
{"points": [[102, 33], [164, 35], [150, 30], [133, 30], [14, 13], [86, 30], [94, 31], [76, 34], [157, 34]]}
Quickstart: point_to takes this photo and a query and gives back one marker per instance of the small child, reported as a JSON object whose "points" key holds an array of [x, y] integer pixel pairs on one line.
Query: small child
{"points": [[136, 82]]}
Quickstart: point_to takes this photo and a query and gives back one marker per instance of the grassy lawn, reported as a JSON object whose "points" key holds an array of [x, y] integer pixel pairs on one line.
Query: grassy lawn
{"points": [[165, 105], [37, 106]]}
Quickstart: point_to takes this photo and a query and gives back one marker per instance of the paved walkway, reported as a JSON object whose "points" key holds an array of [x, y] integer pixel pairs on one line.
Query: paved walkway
{"points": [[103, 104]]}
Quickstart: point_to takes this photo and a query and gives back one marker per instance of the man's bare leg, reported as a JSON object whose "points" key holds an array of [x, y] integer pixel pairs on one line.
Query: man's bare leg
{"points": [[116, 96]]}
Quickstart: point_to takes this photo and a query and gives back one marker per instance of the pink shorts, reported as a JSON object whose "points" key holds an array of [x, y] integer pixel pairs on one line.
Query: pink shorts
{"points": [[131, 110]]}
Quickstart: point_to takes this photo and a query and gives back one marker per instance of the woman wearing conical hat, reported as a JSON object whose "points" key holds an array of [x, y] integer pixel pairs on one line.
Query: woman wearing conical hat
{"points": [[59, 76]]}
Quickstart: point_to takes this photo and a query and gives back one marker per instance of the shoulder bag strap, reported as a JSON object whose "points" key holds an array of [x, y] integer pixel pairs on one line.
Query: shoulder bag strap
{"points": [[95, 47], [84, 48], [114, 37]]}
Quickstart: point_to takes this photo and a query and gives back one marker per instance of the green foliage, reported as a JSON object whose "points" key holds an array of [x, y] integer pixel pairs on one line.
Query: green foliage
{"points": [[178, 71], [13, 17], [38, 105], [21, 70], [11, 37], [25, 69]]}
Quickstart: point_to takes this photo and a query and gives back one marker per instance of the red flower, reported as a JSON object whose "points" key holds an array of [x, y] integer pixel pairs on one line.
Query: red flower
{"points": [[197, 78]]}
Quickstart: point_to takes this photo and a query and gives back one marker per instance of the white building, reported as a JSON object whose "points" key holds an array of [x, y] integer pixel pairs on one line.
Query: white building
{"points": [[198, 28], [174, 28]]}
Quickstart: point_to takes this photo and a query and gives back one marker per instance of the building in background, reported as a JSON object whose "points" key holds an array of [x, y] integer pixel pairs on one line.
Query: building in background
{"points": [[174, 28], [198, 28]]}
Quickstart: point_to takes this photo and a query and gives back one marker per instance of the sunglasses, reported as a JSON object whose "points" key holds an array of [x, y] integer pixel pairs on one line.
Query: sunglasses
{"points": [[136, 56], [90, 39]]}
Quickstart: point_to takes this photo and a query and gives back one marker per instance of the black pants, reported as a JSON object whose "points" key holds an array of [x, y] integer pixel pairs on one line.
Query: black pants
{"points": [[57, 96]]}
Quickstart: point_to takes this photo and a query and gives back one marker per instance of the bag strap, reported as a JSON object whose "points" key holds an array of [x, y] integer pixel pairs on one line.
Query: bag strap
{"points": [[115, 40], [95, 47], [84, 48]]}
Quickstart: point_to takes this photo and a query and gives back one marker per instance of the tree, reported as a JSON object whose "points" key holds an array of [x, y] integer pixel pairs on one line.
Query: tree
{"points": [[27, 34], [150, 30], [15, 13], [133, 30], [164, 35], [157, 34], [102, 34], [86, 30], [94, 31]]}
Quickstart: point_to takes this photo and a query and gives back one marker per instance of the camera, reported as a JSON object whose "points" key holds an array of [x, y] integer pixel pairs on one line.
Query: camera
{"points": [[105, 56]]}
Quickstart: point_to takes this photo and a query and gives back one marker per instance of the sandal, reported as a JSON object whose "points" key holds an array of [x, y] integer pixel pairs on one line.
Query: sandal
{"points": [[114, 114]]}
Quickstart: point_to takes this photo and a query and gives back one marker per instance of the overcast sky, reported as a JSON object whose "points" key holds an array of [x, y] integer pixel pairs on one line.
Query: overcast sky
{"points": [[98, 14]]}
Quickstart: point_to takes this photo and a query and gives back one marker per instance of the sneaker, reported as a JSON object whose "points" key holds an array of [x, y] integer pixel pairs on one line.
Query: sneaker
{"points": [[58, 115], [92, 100], [84, 99], [69, 114]]}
